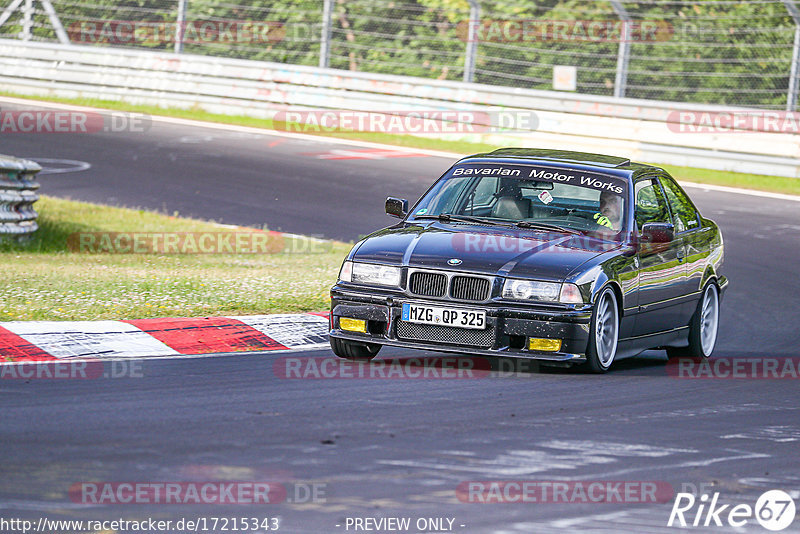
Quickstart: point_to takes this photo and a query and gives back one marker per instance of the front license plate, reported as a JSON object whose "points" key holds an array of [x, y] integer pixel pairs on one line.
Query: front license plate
{"points": [[457, 317]]}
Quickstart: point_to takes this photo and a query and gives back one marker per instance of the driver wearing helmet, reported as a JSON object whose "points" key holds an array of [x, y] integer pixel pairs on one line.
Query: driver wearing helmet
{"points": [[610, 214]]}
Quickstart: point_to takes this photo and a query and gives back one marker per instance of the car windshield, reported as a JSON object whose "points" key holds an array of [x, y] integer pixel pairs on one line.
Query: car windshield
{"points": [[529, 196]]}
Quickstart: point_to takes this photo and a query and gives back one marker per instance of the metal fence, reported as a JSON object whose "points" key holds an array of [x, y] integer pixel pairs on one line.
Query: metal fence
{"points": [[741, 53]]}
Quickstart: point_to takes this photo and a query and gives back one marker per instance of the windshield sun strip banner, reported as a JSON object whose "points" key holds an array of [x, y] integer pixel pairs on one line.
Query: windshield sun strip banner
{"points": [[591, 180]]}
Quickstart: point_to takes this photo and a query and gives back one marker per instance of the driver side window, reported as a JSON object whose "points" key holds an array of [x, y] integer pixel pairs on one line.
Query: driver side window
{"points": [[650, 203]]}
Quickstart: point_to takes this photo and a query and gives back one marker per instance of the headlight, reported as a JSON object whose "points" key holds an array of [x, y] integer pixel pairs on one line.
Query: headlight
{"points": [[367, 273], [541, 291], [531, 290]]}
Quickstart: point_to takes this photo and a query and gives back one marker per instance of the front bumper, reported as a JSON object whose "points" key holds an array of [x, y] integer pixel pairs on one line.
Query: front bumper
{"points": [[510, 325]]}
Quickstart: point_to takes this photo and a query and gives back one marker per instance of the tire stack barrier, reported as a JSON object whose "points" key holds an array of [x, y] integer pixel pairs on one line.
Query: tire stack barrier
{"points": [[18, 192]]}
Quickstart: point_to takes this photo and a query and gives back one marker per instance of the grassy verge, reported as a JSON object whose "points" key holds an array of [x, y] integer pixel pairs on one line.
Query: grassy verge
{"points": [[45, 279], [773, 184], [690, 174]]}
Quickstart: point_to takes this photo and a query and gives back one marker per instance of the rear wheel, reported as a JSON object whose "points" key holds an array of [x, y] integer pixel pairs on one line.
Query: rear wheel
{"points": [[352, 350], [604, 332], [702, 328]]}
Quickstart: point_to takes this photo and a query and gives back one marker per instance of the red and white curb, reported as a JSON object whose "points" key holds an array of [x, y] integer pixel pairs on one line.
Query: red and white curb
{"points": [[30, 341]]}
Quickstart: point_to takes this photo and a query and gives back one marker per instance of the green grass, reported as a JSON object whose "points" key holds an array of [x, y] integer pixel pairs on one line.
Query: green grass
{"points": [[45, 279], [774, 184], [689, 174]]}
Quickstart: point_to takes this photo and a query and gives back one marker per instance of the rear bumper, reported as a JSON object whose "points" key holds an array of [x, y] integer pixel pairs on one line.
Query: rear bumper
{"points": [[507, 327]]}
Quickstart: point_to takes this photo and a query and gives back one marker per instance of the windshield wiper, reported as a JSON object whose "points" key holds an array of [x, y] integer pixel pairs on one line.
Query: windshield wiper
{"points": [[447, 217], [548, 226]]}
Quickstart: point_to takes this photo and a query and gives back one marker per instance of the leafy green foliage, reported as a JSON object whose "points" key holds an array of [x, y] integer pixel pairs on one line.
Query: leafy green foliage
{"points": [[708, 51]]}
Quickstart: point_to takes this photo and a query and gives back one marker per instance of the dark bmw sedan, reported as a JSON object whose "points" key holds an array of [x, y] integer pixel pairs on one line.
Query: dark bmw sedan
{"points": [[563, 257]]}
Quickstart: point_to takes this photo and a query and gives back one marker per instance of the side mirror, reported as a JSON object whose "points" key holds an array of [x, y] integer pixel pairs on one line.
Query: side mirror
{"points": [[655, 233], [396, 207]]}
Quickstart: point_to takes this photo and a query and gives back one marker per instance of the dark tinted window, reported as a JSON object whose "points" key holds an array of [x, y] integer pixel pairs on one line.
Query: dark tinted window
{"points": [[650, 204], [682, 209]]}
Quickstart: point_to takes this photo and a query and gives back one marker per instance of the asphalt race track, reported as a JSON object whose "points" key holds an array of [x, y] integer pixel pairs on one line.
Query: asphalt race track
{"points": [[384, 447]]}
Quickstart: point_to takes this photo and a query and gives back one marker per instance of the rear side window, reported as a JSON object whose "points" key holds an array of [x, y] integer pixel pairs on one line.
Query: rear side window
{"points": [[682, 209], [650, 204]]}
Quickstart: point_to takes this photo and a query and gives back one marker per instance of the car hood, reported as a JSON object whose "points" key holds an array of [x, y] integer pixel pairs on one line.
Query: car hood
{"points": [[500, 251]]}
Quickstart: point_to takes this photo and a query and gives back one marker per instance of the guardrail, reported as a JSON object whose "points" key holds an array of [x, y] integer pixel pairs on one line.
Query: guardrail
{"points": [[17, 195], [639, 129]]}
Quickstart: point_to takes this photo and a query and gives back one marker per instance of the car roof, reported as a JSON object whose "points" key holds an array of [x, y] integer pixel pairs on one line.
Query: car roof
{"points": [[613, 165]]}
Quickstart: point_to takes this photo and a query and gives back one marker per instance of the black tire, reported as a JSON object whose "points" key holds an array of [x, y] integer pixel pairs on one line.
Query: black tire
{"points": [[352, 350], [603, 337], [701, 341]]}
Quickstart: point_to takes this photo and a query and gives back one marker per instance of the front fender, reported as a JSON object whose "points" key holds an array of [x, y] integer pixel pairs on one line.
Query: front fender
{"points": [[618, 271]]}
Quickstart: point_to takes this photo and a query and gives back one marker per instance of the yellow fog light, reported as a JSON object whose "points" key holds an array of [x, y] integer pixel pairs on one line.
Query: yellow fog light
{"points": [[549, 345], [353, 325]]}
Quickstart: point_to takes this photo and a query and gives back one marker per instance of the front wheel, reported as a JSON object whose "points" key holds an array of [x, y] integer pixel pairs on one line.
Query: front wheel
{"points": [[702, 328], [604, 332], [351, 350]]}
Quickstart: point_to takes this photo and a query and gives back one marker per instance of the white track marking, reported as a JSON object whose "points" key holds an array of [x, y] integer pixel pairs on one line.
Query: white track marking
{"points": [[614, 449], [76, 166], [572, 454], [740, 455], [575, 521], [778, 434]]}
